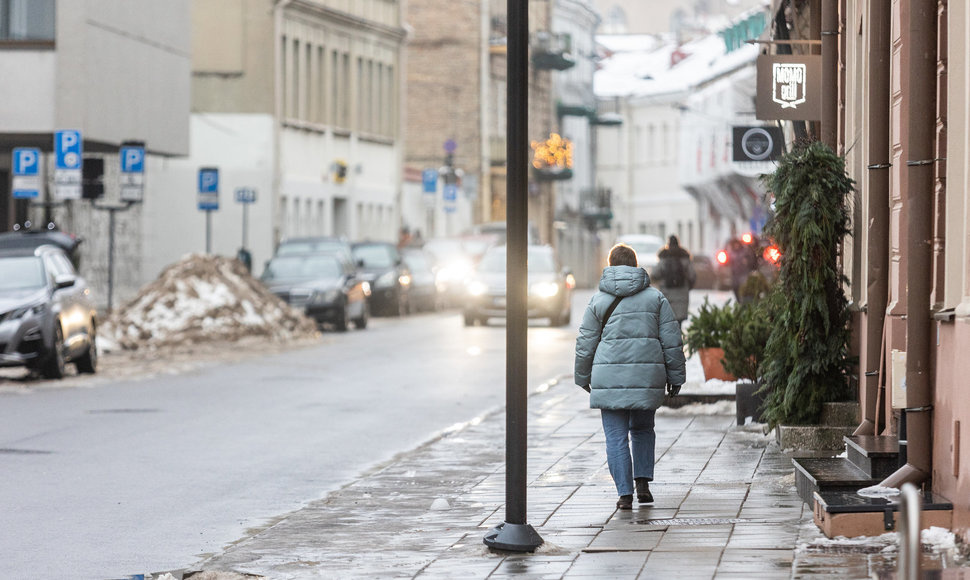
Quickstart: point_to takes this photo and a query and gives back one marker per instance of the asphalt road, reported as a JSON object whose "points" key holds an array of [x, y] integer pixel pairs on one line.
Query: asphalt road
{"points": [[107, 478]]}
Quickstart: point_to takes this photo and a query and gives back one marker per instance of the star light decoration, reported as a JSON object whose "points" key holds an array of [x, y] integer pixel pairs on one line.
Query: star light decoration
{"points": [[553, 154]]}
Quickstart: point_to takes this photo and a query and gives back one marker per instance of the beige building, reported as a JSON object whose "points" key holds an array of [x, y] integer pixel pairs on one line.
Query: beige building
{"points": [[903, 124]]}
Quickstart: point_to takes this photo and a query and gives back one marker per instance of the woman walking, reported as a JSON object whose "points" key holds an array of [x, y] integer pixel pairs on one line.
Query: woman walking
{"points": [[629, 349], [675, 276]]}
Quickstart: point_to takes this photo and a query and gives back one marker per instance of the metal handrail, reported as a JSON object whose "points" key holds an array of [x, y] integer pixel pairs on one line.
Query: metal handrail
{"points": [[909, 533]]}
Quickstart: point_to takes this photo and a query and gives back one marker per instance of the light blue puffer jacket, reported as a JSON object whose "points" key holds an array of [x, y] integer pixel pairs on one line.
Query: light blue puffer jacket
{"points": [[641, 349]]}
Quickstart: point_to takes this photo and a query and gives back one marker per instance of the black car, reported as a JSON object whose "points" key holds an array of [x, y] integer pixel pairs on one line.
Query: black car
{"points": [[550, 287], [381, 264], [47, 315], [27, 237], [325, 286], [315, 245]]}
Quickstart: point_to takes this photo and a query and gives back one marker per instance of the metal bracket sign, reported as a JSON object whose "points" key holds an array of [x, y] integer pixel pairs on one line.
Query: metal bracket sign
{"points": [[789, 88], [246, 194], [132, 178], [68, 151], [208, 188], [26, 172], [757, 143]]}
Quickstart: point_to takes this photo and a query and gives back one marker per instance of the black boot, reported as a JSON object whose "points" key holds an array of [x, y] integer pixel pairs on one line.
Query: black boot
{"points": [[625, 502], [643, 490]]}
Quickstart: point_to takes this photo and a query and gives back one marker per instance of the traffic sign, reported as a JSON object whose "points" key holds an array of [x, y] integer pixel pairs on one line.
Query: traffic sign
{"points": [[26, 172], [132, 178], [429, 180], [246, 194], [68, 150], [208, 188], [450, 196]]}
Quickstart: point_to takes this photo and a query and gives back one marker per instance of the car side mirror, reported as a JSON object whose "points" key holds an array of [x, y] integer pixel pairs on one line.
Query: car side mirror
{"points": [[64, 281]]}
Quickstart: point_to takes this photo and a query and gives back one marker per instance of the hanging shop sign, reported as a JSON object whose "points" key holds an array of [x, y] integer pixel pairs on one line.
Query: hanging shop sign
{"points": [[757, 143], [789, 88]]}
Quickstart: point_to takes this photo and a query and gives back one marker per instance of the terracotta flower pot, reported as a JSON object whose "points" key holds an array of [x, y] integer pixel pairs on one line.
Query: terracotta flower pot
{"points": [[711, 362]]}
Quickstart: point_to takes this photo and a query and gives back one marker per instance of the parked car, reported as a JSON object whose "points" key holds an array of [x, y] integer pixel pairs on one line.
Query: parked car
{"points": [[325, 286], [550, 287], [381, 265], [710, 274], [27, 237], [47, 314], [647, 246], [424, 289]]}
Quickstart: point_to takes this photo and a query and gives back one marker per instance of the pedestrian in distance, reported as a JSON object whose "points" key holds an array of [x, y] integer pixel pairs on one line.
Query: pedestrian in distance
{"points": [[675, 276], [628, 351]]}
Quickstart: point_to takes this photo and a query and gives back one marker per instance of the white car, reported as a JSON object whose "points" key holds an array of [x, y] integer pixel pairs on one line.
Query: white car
{"points": [[647, 246]]}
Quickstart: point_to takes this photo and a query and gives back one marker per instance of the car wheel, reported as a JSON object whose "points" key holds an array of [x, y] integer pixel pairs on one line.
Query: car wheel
{"points": [[469, 320], [54, 365], [555, 320], [402, 304], [88, 362], [361, 323], [343, 320]]}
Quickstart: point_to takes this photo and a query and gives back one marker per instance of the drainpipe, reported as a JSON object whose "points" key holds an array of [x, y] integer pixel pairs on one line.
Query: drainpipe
{"points": [[919, 207], [830, 73], [877, 293]]}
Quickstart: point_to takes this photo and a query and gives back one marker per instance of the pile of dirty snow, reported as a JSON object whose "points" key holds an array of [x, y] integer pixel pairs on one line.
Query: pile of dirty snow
{"points": [[200, 299]]}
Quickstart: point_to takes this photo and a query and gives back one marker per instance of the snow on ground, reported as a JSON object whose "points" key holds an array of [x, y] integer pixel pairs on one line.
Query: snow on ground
{"points": [[202, 299]]}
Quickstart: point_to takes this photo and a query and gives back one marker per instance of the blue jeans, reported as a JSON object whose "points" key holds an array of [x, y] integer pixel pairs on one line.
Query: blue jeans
{"points": [[621, 428]]}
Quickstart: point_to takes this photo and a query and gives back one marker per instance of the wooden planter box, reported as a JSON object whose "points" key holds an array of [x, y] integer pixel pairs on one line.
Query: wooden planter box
{"points": [[711, 362]]}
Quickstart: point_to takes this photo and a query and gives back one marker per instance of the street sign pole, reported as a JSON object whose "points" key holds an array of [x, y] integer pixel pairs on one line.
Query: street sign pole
{"points": [[208, 231], [515, 534], [208, 200]]}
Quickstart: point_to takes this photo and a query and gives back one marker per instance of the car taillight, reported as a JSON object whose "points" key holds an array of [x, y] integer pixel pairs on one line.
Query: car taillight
{"points": [[747, 238], [772, 254], [721, 257]]}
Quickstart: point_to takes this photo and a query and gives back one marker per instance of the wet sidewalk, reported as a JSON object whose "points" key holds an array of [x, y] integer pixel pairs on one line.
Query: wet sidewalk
{"points": [[726, 507]]}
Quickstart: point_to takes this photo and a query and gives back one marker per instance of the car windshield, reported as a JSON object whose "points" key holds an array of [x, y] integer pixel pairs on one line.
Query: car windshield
{"points": [[21, 273], [646, 249], [539, 261], [302, 247], [302, 268], [374, 256]]}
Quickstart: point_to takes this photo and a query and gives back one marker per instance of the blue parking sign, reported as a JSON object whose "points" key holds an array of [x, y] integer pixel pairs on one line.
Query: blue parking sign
{"points": [[208, 188], [26, 172], [67, 149], [132, 159], [429, 179]]}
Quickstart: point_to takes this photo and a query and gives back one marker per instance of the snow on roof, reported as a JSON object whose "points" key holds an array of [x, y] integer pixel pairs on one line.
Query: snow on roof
{"points": [[201, 299], [644, 65]]}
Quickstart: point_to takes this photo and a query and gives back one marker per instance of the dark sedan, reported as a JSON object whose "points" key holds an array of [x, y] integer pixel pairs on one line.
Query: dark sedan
{"points": [[47, 315], [550, 287], [382, 266], [325, 286]]}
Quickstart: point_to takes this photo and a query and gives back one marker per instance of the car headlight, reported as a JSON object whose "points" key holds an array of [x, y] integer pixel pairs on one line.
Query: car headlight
{"points": [[32, 310], [544, 289], [477, 288], [404, 280], [386, 280], [325, 296]]}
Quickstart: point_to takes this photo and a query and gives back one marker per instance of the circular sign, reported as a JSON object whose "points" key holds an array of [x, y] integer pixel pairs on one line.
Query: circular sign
{"points": [[72, 160], [757, 144], [450, 146]]}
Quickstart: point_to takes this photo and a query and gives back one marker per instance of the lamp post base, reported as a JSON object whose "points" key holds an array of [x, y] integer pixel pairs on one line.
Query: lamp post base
{"points": [[513, 538]]}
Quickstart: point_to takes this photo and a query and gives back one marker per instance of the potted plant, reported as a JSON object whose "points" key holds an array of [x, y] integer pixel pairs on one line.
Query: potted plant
{"points": [[705, 335], [806, 355], [744, 350]]}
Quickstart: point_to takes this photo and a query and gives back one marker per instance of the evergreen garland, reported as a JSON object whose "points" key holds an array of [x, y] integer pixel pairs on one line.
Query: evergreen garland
{"points": [[805, 361]]}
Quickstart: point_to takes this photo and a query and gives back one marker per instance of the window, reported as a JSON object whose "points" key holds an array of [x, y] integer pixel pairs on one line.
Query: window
{"points": [[27, 20]]}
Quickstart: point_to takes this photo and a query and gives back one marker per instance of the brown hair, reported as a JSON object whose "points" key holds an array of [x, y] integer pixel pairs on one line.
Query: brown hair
{"points": [[623, 255]]}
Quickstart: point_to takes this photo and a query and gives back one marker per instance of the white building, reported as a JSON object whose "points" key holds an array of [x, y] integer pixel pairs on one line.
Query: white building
{"points": [[669, 164]]}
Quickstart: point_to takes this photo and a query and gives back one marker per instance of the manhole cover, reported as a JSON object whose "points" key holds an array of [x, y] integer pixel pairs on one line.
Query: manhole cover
{"points": [[8, 451], [693, 521]]}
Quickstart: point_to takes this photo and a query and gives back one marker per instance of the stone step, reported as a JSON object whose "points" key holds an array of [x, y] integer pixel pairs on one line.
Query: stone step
{"points": [[828, 474], [842, 513], [841, 414], [812, 437], [876, 455]]}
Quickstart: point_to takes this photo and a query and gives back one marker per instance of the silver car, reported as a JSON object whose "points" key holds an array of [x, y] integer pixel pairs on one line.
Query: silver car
{"points": [[47, 315]]}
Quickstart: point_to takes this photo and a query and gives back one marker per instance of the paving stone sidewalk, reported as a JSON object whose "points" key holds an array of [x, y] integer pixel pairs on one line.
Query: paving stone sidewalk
{"points": [[726, 507]]}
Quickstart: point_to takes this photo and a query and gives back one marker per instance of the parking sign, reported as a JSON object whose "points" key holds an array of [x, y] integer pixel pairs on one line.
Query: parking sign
{"points": [[208, 188], [26, 172], [68, 155], [132, 178]]}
